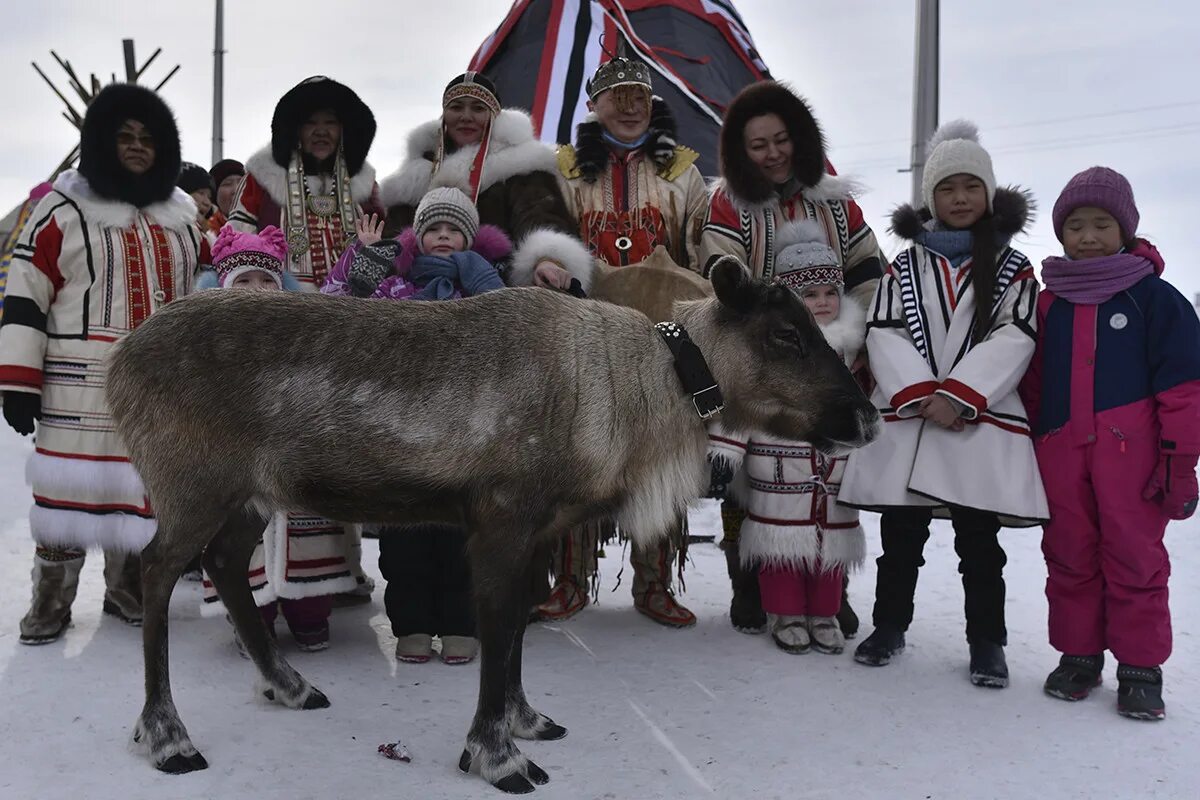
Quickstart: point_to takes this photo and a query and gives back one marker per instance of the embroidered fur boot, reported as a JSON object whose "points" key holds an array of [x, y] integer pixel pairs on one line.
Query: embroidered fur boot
{"points": [[55, 583], [573, 564], [652, 595]]}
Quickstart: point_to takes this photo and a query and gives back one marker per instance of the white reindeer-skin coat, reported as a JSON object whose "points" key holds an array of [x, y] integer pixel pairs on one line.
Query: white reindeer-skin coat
{"points": [[918, 338], [86, 272], [790, 489]]}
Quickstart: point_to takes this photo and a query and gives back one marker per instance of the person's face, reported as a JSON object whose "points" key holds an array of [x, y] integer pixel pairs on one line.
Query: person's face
{"points": [[960, 200], [769, 147], [320, 134], [135, 147], [203, 198], [443, 239], [465, 120], [624, 112], [226, 192], [823, 300], [1091, 232], [254, 279]]}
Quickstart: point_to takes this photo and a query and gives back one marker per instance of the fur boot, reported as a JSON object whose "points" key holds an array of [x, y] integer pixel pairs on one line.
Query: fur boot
{"points": [[55, 582], [652, 594], [123, 586], [573, 564]]}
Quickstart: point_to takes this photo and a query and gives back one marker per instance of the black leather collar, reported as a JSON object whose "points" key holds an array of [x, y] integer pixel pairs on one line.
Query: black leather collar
{"points": [[693, 371]]}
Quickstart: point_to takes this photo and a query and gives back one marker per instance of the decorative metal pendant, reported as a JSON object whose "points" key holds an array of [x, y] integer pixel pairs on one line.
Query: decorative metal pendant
{"points": [[624, 243], [323, 206], [297, 239]]}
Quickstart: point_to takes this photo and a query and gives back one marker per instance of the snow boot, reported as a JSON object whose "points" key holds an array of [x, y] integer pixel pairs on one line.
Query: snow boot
{"points": [[652, 594], [573, 565], [826, 636], [55, 583], [878, 649], [989, 669], [1075, 677], [123, 586], [459, 649], [415, 648], [791, 634], [846, 618], [745, 608], [1139, 692]]}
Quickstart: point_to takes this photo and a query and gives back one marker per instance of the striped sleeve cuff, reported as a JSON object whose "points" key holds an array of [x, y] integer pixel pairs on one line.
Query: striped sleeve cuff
{"points": [[972, 401]]}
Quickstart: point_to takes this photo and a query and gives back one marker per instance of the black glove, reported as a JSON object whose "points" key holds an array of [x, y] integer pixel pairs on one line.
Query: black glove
{"points": [[576, 289], [371, 265], [720, 476], [21, 409]]}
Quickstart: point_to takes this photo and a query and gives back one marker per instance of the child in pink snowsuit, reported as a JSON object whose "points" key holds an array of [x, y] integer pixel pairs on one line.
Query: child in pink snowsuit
{"points": [[1113, 393]]}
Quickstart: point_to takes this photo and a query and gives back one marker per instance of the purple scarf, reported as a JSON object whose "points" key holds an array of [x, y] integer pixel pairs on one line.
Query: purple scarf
{"points": [[1092, 281]]}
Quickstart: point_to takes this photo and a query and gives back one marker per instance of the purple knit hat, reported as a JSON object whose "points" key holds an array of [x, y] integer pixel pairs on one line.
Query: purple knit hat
{"points": [[1103, 188]]}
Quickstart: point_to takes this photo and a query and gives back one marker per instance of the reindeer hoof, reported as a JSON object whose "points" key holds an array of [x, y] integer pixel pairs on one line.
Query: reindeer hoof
{"points": [[179, 764], [316, 699], [552, 732], [464, 762], [514, 784], [269, 694], [537, 774]]}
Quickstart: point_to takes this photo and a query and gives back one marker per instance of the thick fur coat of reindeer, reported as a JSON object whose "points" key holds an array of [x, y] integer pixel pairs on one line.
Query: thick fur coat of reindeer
{"points": [[529, 410]]}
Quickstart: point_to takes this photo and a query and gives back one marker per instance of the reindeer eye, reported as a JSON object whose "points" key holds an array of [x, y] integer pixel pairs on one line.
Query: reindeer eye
{"points": [[790, 338]]}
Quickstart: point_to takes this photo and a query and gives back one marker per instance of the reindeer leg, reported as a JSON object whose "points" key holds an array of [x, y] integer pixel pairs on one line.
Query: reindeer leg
{"points": [[226, 560], [159, 730], [523, 720], [496, 555]]}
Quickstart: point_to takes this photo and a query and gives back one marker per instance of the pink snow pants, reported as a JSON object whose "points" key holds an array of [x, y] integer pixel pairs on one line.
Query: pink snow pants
{"points": [[795, 592], [1108, 567]]}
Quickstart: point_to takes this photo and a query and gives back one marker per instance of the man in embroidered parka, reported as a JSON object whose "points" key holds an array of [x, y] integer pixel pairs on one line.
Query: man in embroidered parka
{"points": [[313, 179], [112, 243], [1113, 394]]}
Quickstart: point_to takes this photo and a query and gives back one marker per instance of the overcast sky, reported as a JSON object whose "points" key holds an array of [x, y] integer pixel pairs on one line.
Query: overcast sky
{"points": [[1055, 87]]}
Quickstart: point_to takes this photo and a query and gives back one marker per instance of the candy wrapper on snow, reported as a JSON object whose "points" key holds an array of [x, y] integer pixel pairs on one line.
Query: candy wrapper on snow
{"points": [[396, 751]]}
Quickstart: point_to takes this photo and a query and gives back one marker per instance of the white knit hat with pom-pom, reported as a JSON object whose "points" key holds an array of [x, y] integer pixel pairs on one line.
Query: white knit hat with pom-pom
{"points": [[954, 149]]}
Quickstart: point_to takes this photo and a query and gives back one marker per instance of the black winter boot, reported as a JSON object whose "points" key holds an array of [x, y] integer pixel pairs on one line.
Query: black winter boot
{"points": [[878, 649], [745, 609], [847, 619], [1139, 692], [988, 666], [1075, 677]]}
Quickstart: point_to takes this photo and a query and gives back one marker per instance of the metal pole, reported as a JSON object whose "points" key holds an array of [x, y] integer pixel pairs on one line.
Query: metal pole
{"points": [[130, 61], [218, 135], [925, 90]]}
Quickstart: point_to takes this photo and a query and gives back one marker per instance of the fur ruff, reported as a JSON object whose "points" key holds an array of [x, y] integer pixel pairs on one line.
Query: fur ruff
{"points": [[592, 152], [176, 213], [1013, 209], [829, 189], [98, 161], [57, 527], [761, 545], [848, 332], [83, 477], [744, 179], [546, 244], [513, 151], [273, 178]]}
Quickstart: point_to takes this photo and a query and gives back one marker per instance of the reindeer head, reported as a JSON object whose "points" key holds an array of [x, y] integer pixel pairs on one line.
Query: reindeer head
{"points": [[776, 371]]}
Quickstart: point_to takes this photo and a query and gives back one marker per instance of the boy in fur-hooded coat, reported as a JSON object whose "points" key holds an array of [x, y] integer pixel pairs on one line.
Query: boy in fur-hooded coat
{"points": [[509, 175], [796, 536], [112, 243]]}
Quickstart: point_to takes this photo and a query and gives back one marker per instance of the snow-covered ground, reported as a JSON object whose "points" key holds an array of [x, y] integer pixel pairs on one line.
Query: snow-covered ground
{"points": [[652, 712]]}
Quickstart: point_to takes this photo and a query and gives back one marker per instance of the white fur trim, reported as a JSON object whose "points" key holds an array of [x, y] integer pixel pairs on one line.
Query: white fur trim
{"points": [[760, 544], [722, 447], [513, 151], [273, 178], [848, 332], [832, 188], [177, 212], [547, 244], [119, 532], [77, 477]]}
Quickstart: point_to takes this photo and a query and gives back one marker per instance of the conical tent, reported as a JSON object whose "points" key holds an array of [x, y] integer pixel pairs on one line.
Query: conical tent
{"points": [[700, 51]]}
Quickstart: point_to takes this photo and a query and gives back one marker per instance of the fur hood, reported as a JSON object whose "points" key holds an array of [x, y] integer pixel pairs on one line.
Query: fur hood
{"points": [[176, 213], [742, 179], [1012, 209], [98, 163], [592, 153], [848, 332], [513, 151], [314, 94], [273, 178]]}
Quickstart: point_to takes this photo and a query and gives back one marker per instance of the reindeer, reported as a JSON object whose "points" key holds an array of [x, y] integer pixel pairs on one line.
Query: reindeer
{"points": [[525, 410]]}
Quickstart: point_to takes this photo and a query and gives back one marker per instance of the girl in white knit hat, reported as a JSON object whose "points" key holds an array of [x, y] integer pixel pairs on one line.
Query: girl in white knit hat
{"points": [[950, 334]]}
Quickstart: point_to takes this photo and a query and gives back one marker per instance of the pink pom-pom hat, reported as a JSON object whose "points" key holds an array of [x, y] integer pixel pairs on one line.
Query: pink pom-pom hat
{"points": [[235, 253]]}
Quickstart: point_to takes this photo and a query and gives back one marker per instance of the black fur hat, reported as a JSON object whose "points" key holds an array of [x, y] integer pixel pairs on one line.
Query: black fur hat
{"points": [[111, 108], [314, 94], [742, 177]]}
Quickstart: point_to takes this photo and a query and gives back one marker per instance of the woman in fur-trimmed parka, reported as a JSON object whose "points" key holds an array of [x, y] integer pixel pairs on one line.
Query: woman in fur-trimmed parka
{"points": [[492, 156]]}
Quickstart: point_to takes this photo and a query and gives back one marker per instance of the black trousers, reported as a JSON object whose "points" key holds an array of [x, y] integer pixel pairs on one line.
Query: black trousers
{"points": [[428, 580], [981, 562]]}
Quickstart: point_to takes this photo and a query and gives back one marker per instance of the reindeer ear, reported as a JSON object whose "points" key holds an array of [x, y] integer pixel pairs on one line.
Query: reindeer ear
{"points": [[734, 287]]}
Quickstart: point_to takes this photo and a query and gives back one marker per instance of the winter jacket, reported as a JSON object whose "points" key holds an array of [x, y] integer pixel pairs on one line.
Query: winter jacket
{"points": [[518, 193]]}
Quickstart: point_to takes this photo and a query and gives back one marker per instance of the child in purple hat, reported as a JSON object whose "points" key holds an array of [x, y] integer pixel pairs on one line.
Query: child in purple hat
{"points": [[1113, 394]]}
